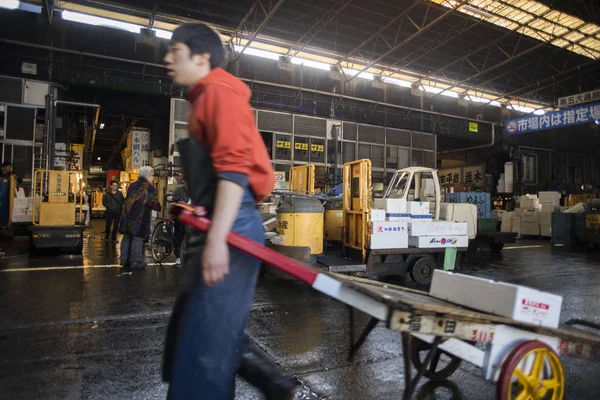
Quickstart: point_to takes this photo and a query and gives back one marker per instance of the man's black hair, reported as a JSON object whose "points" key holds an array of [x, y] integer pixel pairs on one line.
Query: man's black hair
{"points": [[111, 182], [6, 164], [201, 38]]}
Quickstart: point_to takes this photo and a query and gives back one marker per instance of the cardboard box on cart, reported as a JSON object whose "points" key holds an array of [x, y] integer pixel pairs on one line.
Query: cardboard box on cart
{"points": [[507, 300]]}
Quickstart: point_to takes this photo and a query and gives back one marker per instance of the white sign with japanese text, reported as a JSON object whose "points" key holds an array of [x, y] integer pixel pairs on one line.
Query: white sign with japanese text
{"points": [[580, 98], [140, 148]]}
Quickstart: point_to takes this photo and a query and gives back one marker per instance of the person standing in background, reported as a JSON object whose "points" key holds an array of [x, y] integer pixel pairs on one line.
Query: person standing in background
{"points": [[179, 194], [112, 201], [5, 177], [136, 217]]}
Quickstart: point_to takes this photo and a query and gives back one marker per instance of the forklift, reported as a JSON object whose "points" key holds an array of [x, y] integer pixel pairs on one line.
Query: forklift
{"points": [[55, 223]]}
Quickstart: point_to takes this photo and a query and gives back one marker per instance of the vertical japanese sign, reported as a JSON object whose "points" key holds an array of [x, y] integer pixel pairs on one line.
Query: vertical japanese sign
{"points": [[140, 148], [529, 168], [552, 120], [58, 187]]}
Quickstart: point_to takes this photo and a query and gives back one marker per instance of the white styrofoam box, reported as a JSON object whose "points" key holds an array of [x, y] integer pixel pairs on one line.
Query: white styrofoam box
{"points": [[426, 242], [529, 202], [382, 242], [576, 209], [417, 207], [389, 228], [546, 230], [497, 214], [520, 303], [421, 218], [550, 208], [437, 228], [545, 218], [377, 215], [530, 215], [506, 226], [460, 213], [549, 196], [398, 217], [509, 173], [530, 228], [507, 216], [516, 224], [20, 202], [391, 206]]}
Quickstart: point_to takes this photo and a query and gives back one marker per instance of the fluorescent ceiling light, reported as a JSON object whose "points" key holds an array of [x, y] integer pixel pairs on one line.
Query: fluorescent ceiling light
{"points": [[539, 112], [99, 21], [398, 82], [160, 33], [259, 53], [353, 72], [477, 11], [102, 125], [10, 4], [449, 93], [310, 63]]}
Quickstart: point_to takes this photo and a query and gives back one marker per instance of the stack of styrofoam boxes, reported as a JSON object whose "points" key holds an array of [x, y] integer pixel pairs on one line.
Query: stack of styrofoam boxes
{"points": [[438, 234], [389, 221], [507, 222], [501, 184], [530, 222], [549, 203], [426, 233], [22, 208], [498, 215]]}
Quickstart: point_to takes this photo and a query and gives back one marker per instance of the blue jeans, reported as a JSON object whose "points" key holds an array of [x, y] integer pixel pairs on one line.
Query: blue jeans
{"points": [[131, 249], [211, 329]]}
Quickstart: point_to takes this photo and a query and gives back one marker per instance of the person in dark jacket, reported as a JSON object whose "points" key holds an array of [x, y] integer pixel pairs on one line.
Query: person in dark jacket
{"points": [[6, 174], [179, 194], [112, 201], [136, 216]]}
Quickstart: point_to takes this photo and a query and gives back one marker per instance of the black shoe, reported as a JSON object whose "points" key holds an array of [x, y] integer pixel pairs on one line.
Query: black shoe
{"points": [[124, 265], [262, 374]]}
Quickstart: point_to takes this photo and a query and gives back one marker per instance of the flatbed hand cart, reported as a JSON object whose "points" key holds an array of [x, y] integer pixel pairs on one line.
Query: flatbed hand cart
{"points": [[521, 359]]}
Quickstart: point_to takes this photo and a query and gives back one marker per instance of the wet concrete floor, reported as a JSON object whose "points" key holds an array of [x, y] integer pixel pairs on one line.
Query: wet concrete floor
{"points": [[76, 327]]}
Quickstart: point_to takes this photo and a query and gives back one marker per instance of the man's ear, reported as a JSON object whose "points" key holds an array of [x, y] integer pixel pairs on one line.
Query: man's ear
{"points": [[201, 59]]}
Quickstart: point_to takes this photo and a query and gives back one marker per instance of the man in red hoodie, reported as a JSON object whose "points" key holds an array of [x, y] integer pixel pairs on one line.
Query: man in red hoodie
{"points": [[210, 316]]}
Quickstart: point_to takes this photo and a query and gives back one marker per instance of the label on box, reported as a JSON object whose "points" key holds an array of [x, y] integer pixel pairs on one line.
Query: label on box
{"points": [[388, 228], [398, 217], [437, 228], [439, 241], [423, 217]]}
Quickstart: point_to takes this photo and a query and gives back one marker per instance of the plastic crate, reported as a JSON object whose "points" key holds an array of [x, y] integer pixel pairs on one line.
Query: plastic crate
{"points": [[487, 225]]}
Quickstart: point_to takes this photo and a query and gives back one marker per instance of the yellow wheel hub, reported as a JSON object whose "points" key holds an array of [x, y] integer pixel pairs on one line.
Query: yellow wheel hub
{"points": [[538, 376]]}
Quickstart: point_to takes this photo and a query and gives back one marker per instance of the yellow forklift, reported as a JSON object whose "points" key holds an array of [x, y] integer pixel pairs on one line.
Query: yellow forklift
{"points": [[55, 222]]}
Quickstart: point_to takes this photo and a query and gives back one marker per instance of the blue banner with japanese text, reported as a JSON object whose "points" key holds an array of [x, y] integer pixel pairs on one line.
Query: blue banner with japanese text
{"points": [[555, 119]]}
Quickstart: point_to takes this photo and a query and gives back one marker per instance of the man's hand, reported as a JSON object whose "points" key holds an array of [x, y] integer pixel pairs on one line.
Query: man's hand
{"points": [[215, 262]]}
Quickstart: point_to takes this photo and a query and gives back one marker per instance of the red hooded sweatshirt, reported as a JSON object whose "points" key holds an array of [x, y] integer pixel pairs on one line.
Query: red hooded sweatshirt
{"points": [[222, 120]]}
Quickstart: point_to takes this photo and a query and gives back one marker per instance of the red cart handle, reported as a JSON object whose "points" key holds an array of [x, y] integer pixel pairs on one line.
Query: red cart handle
{"points": [[196, 218]]}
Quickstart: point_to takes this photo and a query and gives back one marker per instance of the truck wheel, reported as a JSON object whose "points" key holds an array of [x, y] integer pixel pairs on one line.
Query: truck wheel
{"points": [[422, 270], [497, 247]]}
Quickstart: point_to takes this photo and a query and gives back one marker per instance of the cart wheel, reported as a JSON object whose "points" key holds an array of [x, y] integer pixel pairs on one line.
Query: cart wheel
{"points": [[422, 270], [442, 364], [531, 371], [497, 247]]}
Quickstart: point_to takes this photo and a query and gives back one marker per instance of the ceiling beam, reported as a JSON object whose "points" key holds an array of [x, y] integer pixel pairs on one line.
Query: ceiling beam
{"points": [[237, 34], [318, 26], [419, 32], [552, 81], [424, 51], [152, 18], [394, 20]]}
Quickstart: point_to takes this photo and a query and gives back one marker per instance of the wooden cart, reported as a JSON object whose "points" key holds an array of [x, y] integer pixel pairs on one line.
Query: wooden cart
{"points": [[521, 359]]}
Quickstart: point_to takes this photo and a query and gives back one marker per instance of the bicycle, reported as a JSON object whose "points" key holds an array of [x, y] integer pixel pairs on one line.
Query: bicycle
{"points": [[162, 240]]}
